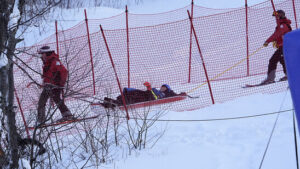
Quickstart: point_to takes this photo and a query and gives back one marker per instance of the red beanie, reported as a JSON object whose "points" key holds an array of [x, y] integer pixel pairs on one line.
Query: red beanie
{"points": [[148, 85]]}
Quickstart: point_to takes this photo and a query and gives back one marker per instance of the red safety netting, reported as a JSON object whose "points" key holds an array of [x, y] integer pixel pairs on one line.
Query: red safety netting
{"points": [[159, 48], [135, 20]]}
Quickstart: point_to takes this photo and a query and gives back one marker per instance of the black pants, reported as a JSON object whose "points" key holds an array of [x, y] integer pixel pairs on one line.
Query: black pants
{"points": [[277, 57], [135, 96], [53, 93]]}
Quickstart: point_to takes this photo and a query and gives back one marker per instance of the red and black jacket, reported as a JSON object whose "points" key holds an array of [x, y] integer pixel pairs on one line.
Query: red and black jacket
{"points": [[283, 27], [53, 71]]}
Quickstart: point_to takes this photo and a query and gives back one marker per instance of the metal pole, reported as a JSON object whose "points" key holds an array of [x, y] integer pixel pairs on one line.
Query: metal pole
{"points": [[91, 55], [113, 65], [56, 32], [128, 56], [208, 82], [247, 37], [191, 36], [295, 139], [294, 7], [22, 113], [273, 5]]}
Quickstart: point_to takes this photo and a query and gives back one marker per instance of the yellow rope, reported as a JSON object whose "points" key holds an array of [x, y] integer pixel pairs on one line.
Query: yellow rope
{"points": [[218, 75]]}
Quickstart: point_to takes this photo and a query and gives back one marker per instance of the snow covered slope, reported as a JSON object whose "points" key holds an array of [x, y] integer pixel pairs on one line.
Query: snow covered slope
{"points": [[216, 144], [224, 144]]}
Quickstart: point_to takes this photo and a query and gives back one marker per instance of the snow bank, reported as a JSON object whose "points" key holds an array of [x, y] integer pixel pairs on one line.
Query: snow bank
{"points": [[24, 164]]}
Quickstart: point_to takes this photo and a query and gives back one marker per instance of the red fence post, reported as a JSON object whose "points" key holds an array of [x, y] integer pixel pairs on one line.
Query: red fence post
{"points": [[273, 5], [91, 55], [191, 36], [195, 35], [247, 37], [127, 31], [56, 32], [113, 65], [22, 113], [294, 7]]}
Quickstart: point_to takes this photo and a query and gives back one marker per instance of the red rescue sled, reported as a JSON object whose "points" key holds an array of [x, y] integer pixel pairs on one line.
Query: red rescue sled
{"points": [[152, 102]]}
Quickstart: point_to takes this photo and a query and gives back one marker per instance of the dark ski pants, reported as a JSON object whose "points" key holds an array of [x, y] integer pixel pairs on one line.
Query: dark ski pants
{"points": [[277, 57], [135, 96], [131, 97], [53, 93]]}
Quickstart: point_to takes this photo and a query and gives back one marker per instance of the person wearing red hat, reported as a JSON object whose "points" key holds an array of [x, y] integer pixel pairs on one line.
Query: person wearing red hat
{"points": [[54, 78], [148, 85], [283, 27], [155, 93], [133, 95]]}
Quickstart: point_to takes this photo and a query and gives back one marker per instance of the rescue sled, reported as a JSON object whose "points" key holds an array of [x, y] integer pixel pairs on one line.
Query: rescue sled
{"points": [[149, 103]]}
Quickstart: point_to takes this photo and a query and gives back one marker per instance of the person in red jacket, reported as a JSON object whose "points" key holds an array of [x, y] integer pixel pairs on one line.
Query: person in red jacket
{"points": [[54, 78], [283, 27]]}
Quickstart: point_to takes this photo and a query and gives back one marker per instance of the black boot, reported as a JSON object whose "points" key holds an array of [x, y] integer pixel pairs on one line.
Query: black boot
{"points": [[284, 78]]}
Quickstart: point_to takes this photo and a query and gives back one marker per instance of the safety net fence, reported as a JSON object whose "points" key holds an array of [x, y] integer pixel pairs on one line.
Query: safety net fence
{"points": [[161, 49]]}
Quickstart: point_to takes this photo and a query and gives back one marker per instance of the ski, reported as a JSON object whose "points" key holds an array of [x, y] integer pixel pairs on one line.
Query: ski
{"points": [[62, 122], [257, 85]]}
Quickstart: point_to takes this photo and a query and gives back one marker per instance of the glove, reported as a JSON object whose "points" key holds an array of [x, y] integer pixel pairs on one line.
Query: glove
{"points": [[275, 45], [266, 44]]}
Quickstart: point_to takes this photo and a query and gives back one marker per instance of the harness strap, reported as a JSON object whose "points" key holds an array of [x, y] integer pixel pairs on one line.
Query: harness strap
{"points": [[154, 94]]}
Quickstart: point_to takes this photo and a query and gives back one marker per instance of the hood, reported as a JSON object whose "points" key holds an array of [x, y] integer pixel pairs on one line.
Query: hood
{"points": [[285, 21], [51, 57], [167, 86]]}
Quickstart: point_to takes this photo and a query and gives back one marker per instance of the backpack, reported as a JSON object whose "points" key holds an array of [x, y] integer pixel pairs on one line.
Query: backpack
{"points": [[63, 72]]}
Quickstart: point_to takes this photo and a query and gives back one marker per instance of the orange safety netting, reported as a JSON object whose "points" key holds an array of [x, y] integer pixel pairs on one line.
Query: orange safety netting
{"points": [[159, 48]]}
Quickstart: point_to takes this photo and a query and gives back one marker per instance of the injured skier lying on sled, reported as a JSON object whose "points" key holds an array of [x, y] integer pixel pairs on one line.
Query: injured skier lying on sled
{"points": [[132, 95]]}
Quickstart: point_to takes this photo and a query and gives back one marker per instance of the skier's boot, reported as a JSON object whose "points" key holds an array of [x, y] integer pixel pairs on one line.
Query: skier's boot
{"points": [[284, 78], [270, 78], [67, 116]]}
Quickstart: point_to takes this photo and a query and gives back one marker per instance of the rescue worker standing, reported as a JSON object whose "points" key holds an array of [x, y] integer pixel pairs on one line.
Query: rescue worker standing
{"points": [[283, 27], [54, 78]]}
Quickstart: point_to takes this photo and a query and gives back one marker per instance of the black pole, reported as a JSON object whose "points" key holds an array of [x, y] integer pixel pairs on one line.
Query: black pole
{"points": [[295, 138], [269, 141]]}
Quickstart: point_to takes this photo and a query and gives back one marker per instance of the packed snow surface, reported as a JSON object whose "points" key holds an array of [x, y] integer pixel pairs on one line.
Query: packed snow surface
{"points": [[216, 144]]}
